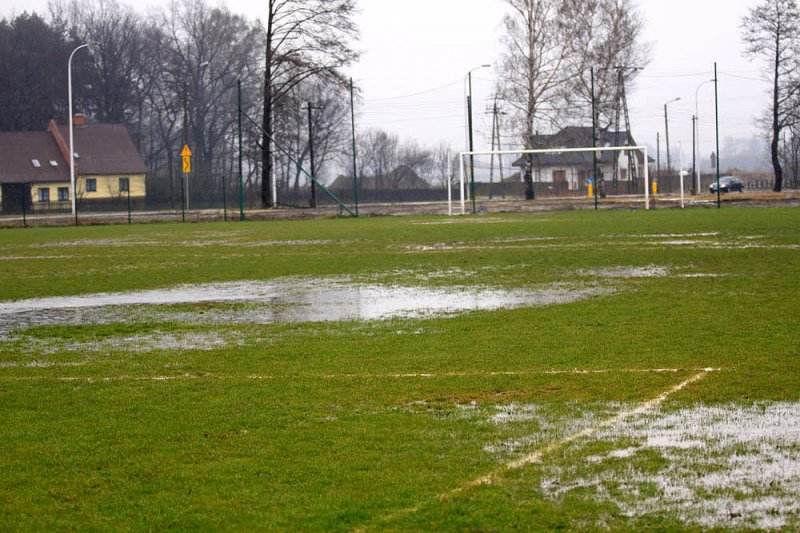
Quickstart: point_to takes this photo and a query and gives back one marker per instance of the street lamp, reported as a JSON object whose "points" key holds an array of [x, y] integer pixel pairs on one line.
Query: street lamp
{"points": [[471, 145], [696, 147], [71, 134], [666, 126], [198, 87]]}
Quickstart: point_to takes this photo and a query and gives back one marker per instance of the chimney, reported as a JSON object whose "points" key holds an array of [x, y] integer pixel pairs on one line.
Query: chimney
{"points": [[79, 120], [52, 127]]}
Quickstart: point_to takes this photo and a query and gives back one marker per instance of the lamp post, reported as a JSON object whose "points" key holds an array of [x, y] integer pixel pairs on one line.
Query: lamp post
{"points": [[666, 127], [198, 88], [696, 146], [71, 134], [471, 144]]}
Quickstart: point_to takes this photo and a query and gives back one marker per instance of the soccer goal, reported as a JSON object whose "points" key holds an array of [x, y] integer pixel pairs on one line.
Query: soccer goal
{"points": [[622, 175]]}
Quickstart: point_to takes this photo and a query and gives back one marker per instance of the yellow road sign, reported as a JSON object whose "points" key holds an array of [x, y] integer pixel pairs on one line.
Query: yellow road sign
{"points": [[186, 157]]}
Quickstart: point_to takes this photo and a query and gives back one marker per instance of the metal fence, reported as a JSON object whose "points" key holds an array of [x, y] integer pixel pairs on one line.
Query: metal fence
{"points": [[164, 203]]}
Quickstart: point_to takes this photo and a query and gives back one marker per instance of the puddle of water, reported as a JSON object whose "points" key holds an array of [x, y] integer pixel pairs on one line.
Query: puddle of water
{"points": [[675, 235], [96, 242], [514, 413], [468, 221], [284, 300], [33, 257], [260, 244], [547, 425], [650, 271], [728, 466], [38, 364], [145, 343], [255, 244]]}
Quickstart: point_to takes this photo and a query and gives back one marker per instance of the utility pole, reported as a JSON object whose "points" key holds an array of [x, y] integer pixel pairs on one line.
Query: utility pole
{"points": [[241, 174], [185, 184], [716, 114], [471, 147], [355, 153], [311, 155], [666, 131], [621, 107], [496, 143], [494, 132], [695, 187], [658, 156], [595, 181]]}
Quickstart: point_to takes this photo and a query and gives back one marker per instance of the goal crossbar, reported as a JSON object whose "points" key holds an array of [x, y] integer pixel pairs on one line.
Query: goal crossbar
{"points": [[556, 151]]}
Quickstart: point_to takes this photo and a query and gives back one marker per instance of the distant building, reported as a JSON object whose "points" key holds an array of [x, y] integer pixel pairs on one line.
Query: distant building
{"points": [[572, 170], [35, 166], [401, 178]]}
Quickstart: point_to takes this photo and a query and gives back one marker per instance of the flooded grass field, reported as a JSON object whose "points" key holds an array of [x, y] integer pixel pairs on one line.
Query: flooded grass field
{"points": [[611, 370]]}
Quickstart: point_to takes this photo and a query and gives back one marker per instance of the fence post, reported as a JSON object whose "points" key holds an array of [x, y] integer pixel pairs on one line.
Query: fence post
{"points": [[25, 193], [224, 200]]}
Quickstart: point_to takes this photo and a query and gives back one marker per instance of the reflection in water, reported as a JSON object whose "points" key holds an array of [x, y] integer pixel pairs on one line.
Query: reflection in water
{"points": [[283, 300]]}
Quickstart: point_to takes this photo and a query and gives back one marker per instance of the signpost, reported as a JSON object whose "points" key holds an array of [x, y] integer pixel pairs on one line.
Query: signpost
{"points": [[186, 159]]}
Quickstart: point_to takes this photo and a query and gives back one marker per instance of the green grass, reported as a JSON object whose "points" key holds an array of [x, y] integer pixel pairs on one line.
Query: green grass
{"points": [[305, 426]]}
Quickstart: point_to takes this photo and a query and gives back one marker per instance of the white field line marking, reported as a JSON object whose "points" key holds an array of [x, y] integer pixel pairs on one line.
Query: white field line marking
{"points": [[111, 379], [574, 371], [423, 375], [537, 455]]}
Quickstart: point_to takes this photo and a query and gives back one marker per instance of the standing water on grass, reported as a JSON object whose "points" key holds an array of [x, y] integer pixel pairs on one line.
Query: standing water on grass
{"points": [[284, 300]]}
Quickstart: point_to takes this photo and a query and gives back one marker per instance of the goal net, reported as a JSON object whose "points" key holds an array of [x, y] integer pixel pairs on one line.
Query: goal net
{"points": [[622, 176]]}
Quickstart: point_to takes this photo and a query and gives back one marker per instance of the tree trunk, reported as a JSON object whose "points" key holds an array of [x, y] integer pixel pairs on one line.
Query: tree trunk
{"points": [[776, 127], [266, 135]]}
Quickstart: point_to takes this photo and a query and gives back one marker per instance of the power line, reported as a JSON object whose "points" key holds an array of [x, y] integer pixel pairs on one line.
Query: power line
{"points": [[427, 91]]}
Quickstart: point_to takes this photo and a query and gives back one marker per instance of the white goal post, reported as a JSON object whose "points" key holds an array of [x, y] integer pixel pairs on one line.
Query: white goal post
{"points": [[555, 151]]}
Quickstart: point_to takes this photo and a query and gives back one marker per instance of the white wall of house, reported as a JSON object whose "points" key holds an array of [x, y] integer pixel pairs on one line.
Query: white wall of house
{"points": [[573, 173]]}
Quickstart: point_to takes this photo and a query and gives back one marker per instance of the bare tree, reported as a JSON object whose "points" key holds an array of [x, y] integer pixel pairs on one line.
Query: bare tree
{"points": [[208, 50], [608, 34], [417, 158], [533, 63], [379, 154], [117, 81], [533, 67], [329, 110], [442, 160], [304, 39], [772, 32]]}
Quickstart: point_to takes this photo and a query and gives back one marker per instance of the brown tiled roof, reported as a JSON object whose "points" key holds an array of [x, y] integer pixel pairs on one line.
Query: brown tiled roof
{"points": [[18, 149], [105, 149], [102, 149]]}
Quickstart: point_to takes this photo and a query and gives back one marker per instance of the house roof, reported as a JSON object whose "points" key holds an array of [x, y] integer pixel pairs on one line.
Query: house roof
{"points": [[105, 149], [19, 149], [403, 177], [576, 137], [101, 149]]}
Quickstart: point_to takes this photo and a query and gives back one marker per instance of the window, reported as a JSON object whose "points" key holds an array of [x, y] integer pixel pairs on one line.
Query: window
{"points": [[124, 185], [44, 195], [91, 185], [36, 163], [53, 163], [63, 194]]}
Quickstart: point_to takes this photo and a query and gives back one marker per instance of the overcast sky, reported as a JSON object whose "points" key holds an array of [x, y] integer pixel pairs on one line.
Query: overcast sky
{"points": [[416, 54]]}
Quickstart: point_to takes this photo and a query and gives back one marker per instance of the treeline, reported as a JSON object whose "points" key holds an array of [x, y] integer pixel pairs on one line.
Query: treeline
{"points": [[171, 76]]}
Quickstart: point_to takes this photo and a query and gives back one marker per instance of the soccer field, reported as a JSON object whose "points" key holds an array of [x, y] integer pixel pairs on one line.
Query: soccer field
{"points": [[575, 370]]}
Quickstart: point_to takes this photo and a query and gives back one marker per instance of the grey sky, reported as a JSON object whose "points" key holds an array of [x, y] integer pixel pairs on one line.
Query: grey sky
{"points": [[427, 46]]}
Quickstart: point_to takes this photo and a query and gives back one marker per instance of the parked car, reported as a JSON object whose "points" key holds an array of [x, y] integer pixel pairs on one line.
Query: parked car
{"points": [[727, 184]]}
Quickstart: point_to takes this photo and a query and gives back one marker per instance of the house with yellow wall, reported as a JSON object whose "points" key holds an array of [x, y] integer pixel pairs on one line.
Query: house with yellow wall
{"points": [[34, 167]]}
